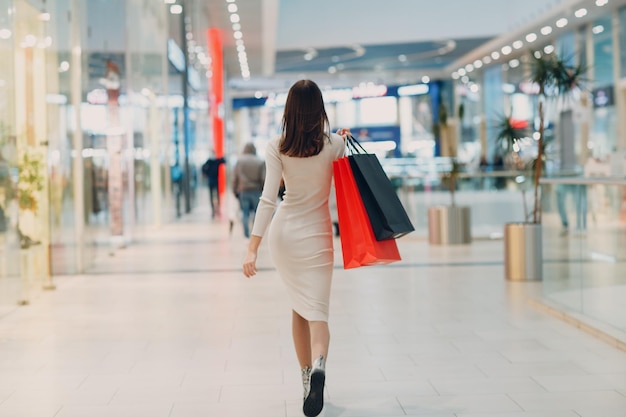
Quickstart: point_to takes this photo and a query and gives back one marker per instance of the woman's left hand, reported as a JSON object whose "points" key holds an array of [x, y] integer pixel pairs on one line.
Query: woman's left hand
{"points": [[343, 132]]}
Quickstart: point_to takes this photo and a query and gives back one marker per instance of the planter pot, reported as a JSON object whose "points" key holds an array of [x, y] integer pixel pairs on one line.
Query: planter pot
{"points": [[523, 256], [449, 225]]}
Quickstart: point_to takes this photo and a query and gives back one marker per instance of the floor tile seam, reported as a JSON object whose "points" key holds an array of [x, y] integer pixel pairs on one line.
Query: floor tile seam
{"points": [[266, 269]]}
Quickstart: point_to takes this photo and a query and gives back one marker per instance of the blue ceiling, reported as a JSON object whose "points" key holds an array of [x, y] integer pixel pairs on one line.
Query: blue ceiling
{"points": [[426, 55]]}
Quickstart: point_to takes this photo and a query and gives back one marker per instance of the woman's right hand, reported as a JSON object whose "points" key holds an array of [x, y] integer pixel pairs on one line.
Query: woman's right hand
{"points": [[249, 264]]}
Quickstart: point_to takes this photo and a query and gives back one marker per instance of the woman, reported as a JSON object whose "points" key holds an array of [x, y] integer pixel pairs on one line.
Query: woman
{"points": [[300, 234]]}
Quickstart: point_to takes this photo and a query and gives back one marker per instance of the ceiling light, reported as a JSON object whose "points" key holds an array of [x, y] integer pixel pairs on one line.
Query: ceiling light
{"points": [[44, 16], [309, 56], [258, 94], [241, 48], [601, 3], [462, 71], [425, 79], [332, 70], [546, 30], [518, 44], [582, 12], [548, 49], [531, 37], [465, 79], [232, 8], [514, 63], [170, 1], [237, 34], [487, 59], [230, 1], [176, 9], [469, 68], [64, 66], [537, 54], [597, 29], [561, 23], [234, 18], [402, 58], [507, 50], [478, 63], [236, 26], [495, 54], [239, 42], [5, 33], [455, 75]]}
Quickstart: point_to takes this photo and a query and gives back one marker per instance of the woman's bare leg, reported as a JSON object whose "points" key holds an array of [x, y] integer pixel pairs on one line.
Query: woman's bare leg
{"points": [[301, 339], [320, 339]]}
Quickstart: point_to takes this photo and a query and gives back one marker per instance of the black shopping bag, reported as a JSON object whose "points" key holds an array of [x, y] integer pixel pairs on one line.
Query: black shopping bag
{"points": [[387, 216]]}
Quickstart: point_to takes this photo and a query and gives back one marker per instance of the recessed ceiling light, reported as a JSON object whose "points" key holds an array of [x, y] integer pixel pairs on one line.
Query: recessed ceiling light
{"points": [[487, 59], [469, 68], [506, 50], [176, 9], [582, 12], [531, 37], [462, 71], [455, 75], [548, 49], [514, 63], [478, 63], [561, 23], [546, 30], [518, 44], [425, 79], [495, 54], [601, 3], [598, 29], [234, 18], [232, 8]]}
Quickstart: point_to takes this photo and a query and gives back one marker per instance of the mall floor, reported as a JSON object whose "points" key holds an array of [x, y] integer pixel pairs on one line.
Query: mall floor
{"points": [[169, 327]]}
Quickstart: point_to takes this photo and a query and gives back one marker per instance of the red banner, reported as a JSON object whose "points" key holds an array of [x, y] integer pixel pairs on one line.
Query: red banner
{"points": [[216, 99]]}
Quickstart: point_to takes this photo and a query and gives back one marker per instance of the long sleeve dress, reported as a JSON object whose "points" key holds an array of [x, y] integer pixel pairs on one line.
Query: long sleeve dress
{"points": [[300, 232]]}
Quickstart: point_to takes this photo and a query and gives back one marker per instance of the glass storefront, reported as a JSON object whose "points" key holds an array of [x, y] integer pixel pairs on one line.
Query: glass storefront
{"points": [[85, 133]]}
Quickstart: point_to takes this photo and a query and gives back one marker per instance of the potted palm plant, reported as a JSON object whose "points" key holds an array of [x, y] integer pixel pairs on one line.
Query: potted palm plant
{"points": [[555, 79], [449, 224]]}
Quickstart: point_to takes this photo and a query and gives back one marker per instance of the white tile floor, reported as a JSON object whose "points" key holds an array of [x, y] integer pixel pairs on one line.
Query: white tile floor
{"points": [[170, 328]]}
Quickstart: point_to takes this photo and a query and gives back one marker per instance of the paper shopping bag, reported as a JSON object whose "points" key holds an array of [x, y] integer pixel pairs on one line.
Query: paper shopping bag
{"points": [[359, 246], [387, 215]]}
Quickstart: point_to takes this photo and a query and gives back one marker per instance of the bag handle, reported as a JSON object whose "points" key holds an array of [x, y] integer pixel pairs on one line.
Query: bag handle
{"points": [[354, 146]]}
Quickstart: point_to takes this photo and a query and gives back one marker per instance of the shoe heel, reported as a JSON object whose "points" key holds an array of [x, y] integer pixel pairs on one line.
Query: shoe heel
{"points": [[314, 402]]}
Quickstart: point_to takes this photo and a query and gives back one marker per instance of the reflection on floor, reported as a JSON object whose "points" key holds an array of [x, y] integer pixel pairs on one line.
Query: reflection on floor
{"points": [[170, 328]]}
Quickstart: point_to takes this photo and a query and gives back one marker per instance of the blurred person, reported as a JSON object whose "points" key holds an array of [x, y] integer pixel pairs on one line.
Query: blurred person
{"points": [[248, 178], [300, 232], [211, 171], [579, 194]]}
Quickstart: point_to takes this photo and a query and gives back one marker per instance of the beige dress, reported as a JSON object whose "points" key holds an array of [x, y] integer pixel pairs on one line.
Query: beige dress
{"points": [[300, 235]]}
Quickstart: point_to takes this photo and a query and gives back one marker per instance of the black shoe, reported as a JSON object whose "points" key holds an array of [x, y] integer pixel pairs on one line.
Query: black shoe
{"points": [[314, 402]]}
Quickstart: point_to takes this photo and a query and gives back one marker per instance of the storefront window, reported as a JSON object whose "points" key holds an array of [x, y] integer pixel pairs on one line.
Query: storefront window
{"points": [[604, 127], [622, 41]]}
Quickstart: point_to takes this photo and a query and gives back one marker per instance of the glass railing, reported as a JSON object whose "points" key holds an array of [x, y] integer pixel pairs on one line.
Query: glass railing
{"points": [[495, 196], [584, 247]]}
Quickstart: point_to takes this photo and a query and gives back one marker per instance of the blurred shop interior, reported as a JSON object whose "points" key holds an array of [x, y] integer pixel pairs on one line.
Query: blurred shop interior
{"points": [[110, 107]]}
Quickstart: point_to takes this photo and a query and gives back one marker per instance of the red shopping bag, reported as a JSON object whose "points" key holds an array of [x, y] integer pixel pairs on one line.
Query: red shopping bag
{"points": [[358, 243]]}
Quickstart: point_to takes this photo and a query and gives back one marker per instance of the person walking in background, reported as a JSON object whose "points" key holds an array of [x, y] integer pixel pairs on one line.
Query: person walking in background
{"points": [[211, 171], [300, 234], [248, 178]]}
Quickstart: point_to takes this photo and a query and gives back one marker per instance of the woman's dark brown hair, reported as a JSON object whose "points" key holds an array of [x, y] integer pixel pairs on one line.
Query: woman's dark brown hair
{"points": [[304, 121]]}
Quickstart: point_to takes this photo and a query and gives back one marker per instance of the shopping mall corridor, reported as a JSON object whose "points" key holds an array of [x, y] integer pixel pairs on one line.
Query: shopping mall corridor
{"points": [[169, 327]]}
